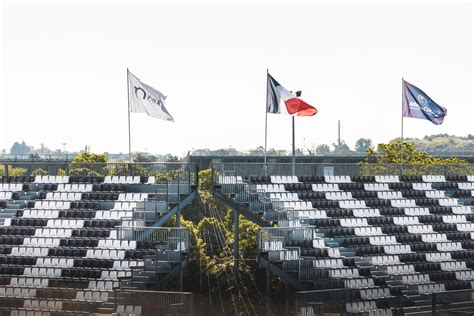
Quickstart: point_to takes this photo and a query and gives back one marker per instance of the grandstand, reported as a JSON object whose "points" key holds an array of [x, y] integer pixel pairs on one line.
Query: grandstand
{"points": [[348, 243], [390, 244], [73, 244]]}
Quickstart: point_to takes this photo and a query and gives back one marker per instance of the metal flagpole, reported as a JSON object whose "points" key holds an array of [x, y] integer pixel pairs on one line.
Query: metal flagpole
{"points": [[401, 145], [293, 158], [266, 119], [402, 109], [129, 130], [293, 167]]}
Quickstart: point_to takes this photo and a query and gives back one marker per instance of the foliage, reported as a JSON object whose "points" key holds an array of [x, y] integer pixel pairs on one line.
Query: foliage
{"points": [[89, 164], [444, 142], [83, 172], [205, 179], [341, 149], [2, 170], [39, 172], [89, 158], [400, 157], [362, 144], [322, 150], [61, 172], [16, 172], [125, 169], [143, 157]]}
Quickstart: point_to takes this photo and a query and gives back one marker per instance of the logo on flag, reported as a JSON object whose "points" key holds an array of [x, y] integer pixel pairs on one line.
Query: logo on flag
{"points": [[293, 104], [145, 99], [418, 104]]}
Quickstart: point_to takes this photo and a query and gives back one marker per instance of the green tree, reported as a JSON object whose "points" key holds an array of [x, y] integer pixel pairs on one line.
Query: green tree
{"points": [[17, 172], [39, 172], [89, 158], [341, 149], [89, 164], [399, 157], [323, 150], [205, 179], [362, 144]]}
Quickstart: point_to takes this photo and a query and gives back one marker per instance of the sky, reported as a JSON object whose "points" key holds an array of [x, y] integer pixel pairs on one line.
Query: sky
{"points": [[63, 71]]}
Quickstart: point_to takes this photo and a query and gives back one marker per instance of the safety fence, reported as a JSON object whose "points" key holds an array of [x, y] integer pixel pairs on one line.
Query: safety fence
{"points": [[173, 172], [247, 170]]}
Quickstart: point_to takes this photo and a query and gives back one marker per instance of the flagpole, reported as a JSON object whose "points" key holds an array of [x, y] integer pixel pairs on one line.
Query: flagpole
{"points": [[401, 148], [293, 167], [266, 119], [129, 129]]}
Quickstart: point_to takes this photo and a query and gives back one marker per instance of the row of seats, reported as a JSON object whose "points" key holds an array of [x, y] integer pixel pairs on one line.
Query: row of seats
{"points": [[379, 293], [52, 205], [109, 214], [117, 244], [132, 197], [51, 179], [17, 292], [270, 188], [75, 187], [360, 307], [6, 195], [11, 187], [416, 279], [401, 269], [465, 275], [92, 296], [105, 254], [51, 305], [431, 288], [128, 180], [345, 273], [453, 266], [359, 283], [42, 272]]}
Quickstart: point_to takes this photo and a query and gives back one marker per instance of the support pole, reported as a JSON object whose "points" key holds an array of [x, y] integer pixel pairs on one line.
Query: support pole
{"points": [[268, 283], [401, 151], [266, 120], [293, 160], [236, 242], [178, 224], [129, 130], [178, 214]]}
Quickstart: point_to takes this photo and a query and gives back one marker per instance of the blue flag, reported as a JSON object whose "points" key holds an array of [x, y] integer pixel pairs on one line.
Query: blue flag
{"points": [[418, 104]]}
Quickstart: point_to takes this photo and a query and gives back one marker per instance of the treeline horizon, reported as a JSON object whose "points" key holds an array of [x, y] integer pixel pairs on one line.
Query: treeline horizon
{"points": [[437, 143]]}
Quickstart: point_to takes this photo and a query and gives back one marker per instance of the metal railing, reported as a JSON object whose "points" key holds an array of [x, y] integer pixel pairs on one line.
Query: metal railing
{"points": [[454, 300], [156, 303], [164, 238], [171, 172], [37, 157], [269, 235], [220, 170]]}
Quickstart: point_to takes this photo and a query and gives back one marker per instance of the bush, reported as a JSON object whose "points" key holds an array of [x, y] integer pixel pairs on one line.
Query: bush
{"points": [[39, 172], [16, 172], [84, 172], [402, 158]]}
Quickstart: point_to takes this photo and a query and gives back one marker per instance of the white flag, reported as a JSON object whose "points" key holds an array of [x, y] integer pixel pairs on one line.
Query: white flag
{"points": [[144, 99]]}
